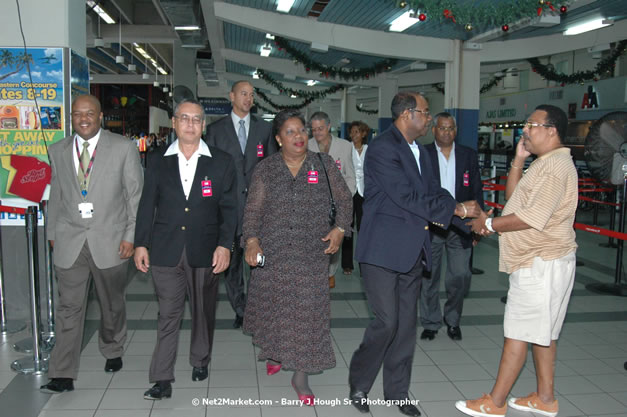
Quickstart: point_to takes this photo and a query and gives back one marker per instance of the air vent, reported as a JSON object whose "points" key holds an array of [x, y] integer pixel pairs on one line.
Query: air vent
{"points": [[317, 8]]}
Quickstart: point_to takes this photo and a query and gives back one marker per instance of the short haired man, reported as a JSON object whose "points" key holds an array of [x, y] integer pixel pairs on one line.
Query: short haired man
{"points": [[248, 139], [187, 218], [537, 248], [94, 192], [456, 168], [401, 198], [342, 153]]}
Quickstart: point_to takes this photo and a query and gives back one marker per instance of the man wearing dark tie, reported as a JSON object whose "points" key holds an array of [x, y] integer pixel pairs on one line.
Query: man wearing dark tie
{"points": [[248, 139], [94, 192], [401, 198], [456, 169], [185, 229]]}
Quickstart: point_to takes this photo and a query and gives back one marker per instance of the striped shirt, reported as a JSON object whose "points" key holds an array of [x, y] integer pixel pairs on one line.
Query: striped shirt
{"points": [[545, 199]]}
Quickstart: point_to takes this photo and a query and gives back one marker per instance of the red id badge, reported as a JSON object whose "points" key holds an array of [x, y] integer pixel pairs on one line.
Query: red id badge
{"points": [[338, 164], [466, 179], [260, 150], [206, 188], [312, 177]]}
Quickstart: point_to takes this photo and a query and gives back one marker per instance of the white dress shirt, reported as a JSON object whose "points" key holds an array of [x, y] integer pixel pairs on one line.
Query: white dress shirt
{"points": [[416, 151], [91, 148], [447, 169], [187, 167], [358, 164]]}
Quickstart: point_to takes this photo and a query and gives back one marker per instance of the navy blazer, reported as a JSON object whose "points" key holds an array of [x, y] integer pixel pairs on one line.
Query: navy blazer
{"points": [[399, 204], [222, 135], [466, 161], [167, 222]]}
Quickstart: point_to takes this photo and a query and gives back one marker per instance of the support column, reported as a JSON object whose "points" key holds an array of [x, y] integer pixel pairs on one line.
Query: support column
{"points": [[461, 97], [185, 67], [349, 101], [386, 94]]}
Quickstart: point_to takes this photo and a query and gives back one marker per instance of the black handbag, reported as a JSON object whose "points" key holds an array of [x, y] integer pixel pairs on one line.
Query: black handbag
{"points": [[333, 210]]}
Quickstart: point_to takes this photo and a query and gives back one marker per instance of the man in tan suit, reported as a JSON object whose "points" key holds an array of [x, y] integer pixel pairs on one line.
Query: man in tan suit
{"points": [[95, 189]]}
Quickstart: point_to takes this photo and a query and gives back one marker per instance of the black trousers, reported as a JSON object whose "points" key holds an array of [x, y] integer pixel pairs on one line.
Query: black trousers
{"points": [[347, 244], [390, 338]]}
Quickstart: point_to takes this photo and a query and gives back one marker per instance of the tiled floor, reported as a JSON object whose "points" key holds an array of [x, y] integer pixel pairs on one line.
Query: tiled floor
{"points": [[590, 377]]}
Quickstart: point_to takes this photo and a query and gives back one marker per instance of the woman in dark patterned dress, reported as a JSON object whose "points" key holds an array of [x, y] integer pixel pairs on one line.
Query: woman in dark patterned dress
{"points": [[287, 220]]}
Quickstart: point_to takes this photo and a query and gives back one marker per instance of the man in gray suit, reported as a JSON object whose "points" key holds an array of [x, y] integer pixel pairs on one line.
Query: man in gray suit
{"points": [[248, 139], [96, 184], [342, 153]]}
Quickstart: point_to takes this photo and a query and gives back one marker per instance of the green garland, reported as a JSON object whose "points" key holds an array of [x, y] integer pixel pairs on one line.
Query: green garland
{"points": [[264, 108], [264, 97], [371, 112], [485, 14], [604, 66], [490, 84], [331, 71], [298, 93]]}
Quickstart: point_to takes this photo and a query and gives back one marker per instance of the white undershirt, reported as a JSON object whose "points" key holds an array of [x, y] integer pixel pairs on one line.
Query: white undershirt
{"points": [[416, 151], [91, 148]]}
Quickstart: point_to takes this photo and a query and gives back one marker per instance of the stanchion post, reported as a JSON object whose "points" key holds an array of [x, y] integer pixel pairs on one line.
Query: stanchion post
{"points": [[621, 228], [6, 326], [49, 335], [36, 364]]}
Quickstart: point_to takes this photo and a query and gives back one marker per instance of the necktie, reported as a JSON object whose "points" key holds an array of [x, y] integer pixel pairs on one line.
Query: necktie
{"points": [[241, 135], [84, 161]]}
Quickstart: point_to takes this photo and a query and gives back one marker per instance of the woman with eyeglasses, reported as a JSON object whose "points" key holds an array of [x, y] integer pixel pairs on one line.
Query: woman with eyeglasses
{"points": [[287, 225], [358, 132]]}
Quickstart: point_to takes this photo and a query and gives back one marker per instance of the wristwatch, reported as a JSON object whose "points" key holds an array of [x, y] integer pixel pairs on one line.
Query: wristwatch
{"points": [[488, 224], [340, 229]]}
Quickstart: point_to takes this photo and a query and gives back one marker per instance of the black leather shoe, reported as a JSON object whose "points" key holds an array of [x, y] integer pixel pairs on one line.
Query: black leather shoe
{"points": [[113, 365], [359, 399], [200, 373], [454, 332], [409, 410], [428, 334], [239, 320], [58, 385], [162, 389]]}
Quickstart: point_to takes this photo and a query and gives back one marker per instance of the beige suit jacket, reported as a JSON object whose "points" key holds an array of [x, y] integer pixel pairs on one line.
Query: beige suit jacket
{"points": [[115, 186], [341, 150]]}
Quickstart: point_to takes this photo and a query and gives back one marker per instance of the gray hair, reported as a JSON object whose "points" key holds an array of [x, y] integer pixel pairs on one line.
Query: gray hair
{"points": [[444, 115], [320, 115], [189, 101]]}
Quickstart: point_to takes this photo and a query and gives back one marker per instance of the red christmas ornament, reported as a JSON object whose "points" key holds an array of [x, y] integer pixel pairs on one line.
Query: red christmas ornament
{"points": [[422, 17], [595, 79], [449, 15], [367, 76], [539, 11], [562, 84], [505, 28], [534, 70], [563, 9], [326, 75], [307, 69]]}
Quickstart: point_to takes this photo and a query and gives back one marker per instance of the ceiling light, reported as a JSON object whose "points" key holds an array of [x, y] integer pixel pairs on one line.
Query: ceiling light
{"points": [[404, 21], [270, 36], [588, 26], [145, 76], [166, 89], [190, 27], [311, 83], [103, 15], [265, 50], [293, 96], [119, 59], [284, 5], [255, 75], [162, 71], [98, 42], [132, 67], [156, 83]]}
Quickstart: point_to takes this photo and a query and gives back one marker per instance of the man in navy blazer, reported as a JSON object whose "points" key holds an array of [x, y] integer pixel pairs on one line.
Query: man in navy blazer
{"points": [[248, 139], [456, 169], [185, 229], [401, 198]]}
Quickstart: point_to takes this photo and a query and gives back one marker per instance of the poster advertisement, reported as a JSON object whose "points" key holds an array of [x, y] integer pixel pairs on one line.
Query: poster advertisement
{"points": [[79, 75], [25, 133]]}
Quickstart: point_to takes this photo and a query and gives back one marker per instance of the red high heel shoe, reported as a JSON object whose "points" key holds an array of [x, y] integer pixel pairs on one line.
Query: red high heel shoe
{"points": [[272, 369], [307, 399]]}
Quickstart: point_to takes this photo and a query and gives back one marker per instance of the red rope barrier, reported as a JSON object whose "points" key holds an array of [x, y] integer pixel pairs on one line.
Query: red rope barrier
{"points": [[601, 231], [581, 197], [9, 209]]}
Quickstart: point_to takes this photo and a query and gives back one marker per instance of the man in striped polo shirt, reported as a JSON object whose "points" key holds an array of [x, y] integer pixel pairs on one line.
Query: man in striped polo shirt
{"points": [[537, 248]]}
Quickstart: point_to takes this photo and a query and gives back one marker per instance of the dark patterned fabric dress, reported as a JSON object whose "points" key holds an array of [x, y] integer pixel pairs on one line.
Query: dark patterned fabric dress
{"points": [[288, 310]]}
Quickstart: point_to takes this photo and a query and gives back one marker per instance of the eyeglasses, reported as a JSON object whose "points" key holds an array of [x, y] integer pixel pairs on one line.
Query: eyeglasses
{"points": [[529, 125], [446, 129], [425, 112], [185, 118]]}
